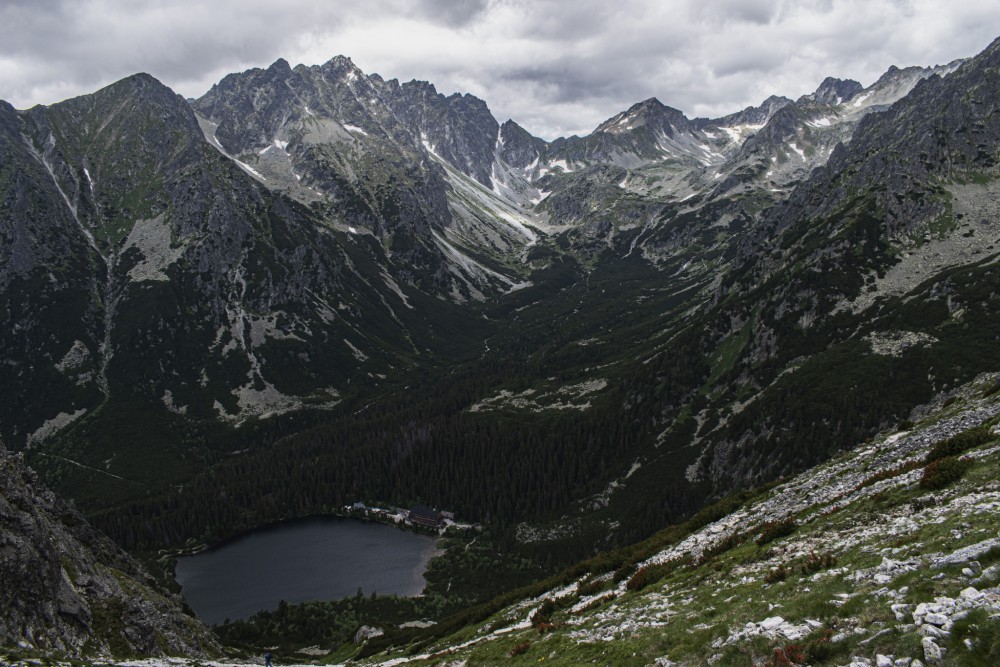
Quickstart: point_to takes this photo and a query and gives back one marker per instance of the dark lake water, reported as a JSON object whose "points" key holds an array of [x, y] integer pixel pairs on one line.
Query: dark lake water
{"points": [[319, 558]]}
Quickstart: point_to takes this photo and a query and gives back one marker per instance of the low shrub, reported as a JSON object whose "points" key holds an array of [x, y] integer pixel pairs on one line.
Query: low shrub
{"points": [[774, 530], [543, 615], [815, 562], [590, 606], [650, 574], [520, 649], [959, 443], [942, 472], [901, 469], [990, 557], [821, 649], [591, 586], [731, 541], [790, 655], [779, 573], [625, 572], [812, 563]]}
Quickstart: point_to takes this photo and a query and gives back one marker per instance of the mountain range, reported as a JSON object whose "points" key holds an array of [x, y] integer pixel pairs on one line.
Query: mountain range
{"points": [[313, 285]]}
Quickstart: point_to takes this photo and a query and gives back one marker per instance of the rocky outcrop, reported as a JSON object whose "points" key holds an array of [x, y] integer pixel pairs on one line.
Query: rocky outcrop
{"points": [[836, 91], [519, 148], [65, 589], [459, 127]]}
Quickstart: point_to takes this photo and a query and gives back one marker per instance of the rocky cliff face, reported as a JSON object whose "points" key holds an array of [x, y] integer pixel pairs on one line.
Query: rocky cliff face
{"points": [[836, 91], [882, 227], [402, 162], [459, 127], [894, 180], [66, 590], [751, 116]]}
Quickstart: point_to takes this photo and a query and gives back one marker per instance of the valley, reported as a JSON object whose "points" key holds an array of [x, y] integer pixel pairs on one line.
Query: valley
{"points": [[314, 286]]}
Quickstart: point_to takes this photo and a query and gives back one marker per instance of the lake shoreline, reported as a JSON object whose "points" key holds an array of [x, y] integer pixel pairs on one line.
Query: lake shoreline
{"points": [[368, 514], [320, 557]]}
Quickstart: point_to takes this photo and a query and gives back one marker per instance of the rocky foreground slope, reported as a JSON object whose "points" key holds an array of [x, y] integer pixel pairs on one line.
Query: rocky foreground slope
{"points": [[878, 557], [67, 591]]}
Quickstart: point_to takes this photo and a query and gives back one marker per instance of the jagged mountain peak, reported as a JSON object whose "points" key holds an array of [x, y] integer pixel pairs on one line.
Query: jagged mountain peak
{"points": [[775, 100], [139, 80], [648, 111], [141, 85], [896, 73], [420, 85], [835, 91], [427, 90], [518, 147], [340, 61], [280, 65], [649, 103], [511, 130], [136, 100]]}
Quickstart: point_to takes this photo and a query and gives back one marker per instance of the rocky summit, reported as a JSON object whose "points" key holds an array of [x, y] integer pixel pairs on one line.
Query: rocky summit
{"points": [[747, 361]]}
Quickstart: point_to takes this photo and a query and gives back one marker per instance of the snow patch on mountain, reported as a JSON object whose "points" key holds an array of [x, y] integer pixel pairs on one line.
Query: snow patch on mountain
{"points": [[825, 121], [355, 129], [738, 133]]}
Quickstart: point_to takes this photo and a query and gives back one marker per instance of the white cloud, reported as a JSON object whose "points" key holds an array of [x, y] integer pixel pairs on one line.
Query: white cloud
{"points": [[556, 67]]}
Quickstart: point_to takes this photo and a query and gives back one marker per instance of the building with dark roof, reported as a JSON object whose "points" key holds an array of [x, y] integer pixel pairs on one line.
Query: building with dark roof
{"points": [[425, 516]]}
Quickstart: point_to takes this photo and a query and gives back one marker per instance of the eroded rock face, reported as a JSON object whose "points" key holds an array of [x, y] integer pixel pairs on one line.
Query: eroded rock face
{"points": [[64, 587]]}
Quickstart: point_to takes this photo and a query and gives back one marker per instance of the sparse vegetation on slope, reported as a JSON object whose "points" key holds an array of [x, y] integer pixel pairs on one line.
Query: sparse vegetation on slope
{"points": [[866, 569]]}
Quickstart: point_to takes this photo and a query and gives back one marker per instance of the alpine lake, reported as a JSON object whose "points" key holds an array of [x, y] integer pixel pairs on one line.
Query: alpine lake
{"points": [[315, 558]]}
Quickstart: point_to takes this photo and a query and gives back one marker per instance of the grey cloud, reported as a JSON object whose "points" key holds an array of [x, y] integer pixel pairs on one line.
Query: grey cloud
{"points": [[454, 14], [755, 58], [91, 45], [749, 11], [554, 66], [565, 83]]}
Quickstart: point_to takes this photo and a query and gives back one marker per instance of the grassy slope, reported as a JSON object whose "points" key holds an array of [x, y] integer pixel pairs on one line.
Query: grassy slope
{"points": [[867, 536]]}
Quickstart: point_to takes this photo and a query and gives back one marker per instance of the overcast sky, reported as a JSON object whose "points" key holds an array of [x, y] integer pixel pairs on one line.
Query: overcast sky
{"points": [[557, 67]]}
